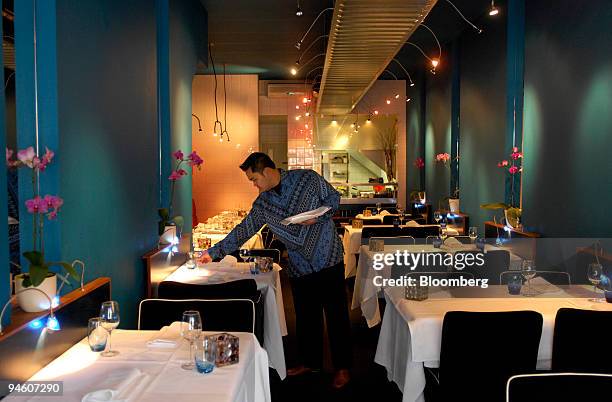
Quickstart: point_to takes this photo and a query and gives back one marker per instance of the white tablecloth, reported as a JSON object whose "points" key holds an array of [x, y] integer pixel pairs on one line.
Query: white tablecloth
{"points": [[275, 326], [352, 241], [365, 294], [411, 331], [160, 376]]}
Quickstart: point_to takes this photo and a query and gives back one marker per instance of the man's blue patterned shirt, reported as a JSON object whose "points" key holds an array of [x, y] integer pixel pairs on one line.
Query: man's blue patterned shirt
{"points": [[310, 248]]}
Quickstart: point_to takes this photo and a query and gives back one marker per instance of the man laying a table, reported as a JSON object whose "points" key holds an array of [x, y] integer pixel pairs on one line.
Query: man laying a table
{"points": [[315, 257]]}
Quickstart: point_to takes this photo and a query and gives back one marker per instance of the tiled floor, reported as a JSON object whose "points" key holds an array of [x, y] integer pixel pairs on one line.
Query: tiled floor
{"points": [[369, 380]]}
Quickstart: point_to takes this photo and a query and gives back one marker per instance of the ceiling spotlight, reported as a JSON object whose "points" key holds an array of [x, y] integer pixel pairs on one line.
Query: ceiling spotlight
{"points": [[412, 84], [396, 96], [298, 117], [352, 125], [388, 101], [293, 71], [435, 62], [494, 10], [297, 107], [298, 44], [306, 125], [298, 12], [408, 99], [307, 114], [304, 100], [334, 122], [376, 112]]}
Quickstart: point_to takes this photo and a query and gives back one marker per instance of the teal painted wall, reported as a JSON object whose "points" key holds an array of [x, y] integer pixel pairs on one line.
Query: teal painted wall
{"points": [[567, 186], [415, 134], [107, 113], [438, 131], [482, 117], [4, 249], [187, 45]]}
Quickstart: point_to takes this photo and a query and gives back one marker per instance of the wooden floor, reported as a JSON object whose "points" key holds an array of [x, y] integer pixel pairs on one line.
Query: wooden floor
{"points": [[369, 380]]}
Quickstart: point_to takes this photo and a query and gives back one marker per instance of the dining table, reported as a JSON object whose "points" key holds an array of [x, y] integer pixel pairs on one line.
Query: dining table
{"points": [[146, 372], [411, 331], [351, 241], [227, 270], [366, 292]]}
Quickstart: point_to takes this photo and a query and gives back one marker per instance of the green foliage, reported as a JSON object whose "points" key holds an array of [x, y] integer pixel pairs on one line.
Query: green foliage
{"points": [[495, 205], [39, 269]]}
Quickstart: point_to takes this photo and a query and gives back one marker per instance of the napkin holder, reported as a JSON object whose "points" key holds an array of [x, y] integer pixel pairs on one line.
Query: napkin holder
{"points": [[228, 349], [376, 245], [263, 264], [357, 223], [416, 292]]}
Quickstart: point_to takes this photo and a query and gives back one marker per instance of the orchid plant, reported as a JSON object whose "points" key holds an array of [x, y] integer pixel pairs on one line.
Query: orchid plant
{"points": [[40, 207], [165, 214], [445, 159], [511, 166]]}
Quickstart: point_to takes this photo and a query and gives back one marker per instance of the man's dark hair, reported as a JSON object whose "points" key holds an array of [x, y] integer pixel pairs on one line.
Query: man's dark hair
{"points": [[257, 162]]}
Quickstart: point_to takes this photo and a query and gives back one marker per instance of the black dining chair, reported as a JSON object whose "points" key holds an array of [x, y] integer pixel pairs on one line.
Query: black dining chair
{"points": [[580, 341], [481, 350], [217, 315], [558, 387], [240, 289]]}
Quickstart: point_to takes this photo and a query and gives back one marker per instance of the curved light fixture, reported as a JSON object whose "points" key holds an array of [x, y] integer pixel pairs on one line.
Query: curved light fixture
{"points": [[405, 71], [308, 48], [295, 70], [463, 17], [299, 11], [52, 323], [493, 10], [434, 62], [198, 119], [298, 44], [437, 41]]}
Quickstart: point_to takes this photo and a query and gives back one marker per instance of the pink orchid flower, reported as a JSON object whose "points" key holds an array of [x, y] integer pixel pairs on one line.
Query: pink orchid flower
{"points": [[52, 201], [48, 156], [516, 155], [52, 215], [195, 160], [174, 176], [419, 163], [513, 170], [36, 205], [26, 156], [182, 172], [178, 155]]}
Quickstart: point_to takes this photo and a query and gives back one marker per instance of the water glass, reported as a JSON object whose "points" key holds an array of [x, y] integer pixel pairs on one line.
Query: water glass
{"points": [[96, 335], [437, 242], [109, 317], [191, 262], [205, 354], [473, 233], [437, 216], [595, 271], [528, 271], [480, 244], [378, 207], [515, 283], [244, 254], [191, 329]]}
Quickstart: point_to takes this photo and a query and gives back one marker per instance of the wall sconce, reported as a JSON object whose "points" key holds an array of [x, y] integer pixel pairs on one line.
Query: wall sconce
{"points": [[52, 322], [198, 119], [298, 44]]}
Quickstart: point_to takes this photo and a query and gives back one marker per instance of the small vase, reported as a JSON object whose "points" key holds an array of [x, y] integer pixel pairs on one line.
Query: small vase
{"points": [[453, 203], [32, 301]]}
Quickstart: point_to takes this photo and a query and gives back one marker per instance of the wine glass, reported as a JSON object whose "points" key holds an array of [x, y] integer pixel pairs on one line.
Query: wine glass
{"points": [[109, 317], [400, 213], [528, 271], [437, 216], [594, 273], [473, 233], [244, 254], [378, 208], [191, 329]]}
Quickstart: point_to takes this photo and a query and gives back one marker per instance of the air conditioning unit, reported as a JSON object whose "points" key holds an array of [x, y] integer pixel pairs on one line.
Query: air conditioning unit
{"points": [[278, 90]]}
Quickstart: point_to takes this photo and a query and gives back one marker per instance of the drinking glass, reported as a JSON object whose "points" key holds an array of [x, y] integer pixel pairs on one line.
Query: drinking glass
{"points": [[400, 213], [191, 262], [437, 216], [443, 234], [205, 354], [515, 282], [109, 317], [528, 271], [378, 208], [244, 254], [96, 335], [191, 329], [594, 273], [473, 233]]}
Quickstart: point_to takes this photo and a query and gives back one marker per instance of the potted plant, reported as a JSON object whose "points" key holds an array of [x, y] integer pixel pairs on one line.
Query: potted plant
{"points": [[453, 200], [41, 207], [512, 212], [168, 223]]}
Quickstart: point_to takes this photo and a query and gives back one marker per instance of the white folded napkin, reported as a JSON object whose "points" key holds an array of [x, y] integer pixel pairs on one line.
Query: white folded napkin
{"points": [[452, 242], [119, 385], [412, 224], [167, 337], [229, 260], [384, 212]]}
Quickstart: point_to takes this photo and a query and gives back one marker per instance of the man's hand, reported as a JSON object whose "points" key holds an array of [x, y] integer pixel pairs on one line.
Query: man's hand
{"points": [[205, 258], [309, 222]]}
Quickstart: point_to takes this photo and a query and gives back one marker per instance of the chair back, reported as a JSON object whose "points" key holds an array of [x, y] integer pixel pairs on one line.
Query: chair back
{"points": [[579, 341], [420, 232], [472, 365], [396, 241], [217, 315], [559, 387]]}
